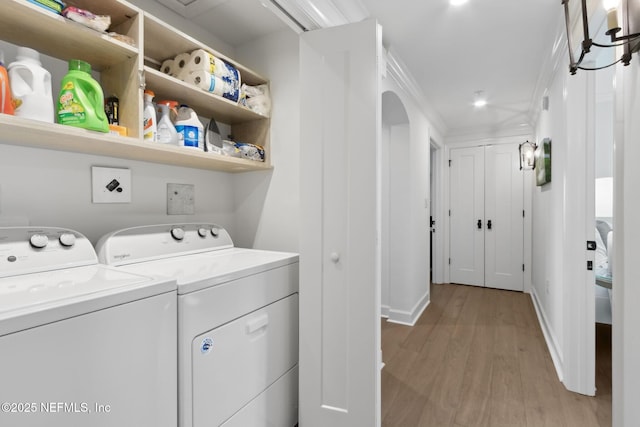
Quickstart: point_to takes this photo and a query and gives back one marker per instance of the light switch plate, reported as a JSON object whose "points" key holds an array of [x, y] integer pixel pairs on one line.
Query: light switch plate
{"points": [[180, 199], [110, 185]]}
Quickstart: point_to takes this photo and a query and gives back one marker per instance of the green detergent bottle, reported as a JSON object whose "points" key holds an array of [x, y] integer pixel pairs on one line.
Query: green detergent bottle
{"points": [[81, 101]]}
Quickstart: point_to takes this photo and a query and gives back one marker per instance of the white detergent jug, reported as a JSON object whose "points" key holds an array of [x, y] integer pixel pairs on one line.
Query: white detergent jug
{"points": [[31, 86], [190, 129]]}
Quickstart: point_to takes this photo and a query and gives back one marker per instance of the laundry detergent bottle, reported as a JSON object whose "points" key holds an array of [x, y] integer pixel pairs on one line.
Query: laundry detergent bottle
{"points": [[31, 86], [149, 117], [6, 100], [81, 100]]}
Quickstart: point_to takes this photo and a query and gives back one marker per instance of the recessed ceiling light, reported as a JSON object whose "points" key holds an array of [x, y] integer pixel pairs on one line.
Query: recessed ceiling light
{"points": [[457, 2], [479, 99]]}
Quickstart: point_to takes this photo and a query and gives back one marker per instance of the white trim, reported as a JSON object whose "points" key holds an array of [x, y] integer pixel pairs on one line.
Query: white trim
{"points": [[549, 337], [409, 318], [384, 311], [399, 72]]}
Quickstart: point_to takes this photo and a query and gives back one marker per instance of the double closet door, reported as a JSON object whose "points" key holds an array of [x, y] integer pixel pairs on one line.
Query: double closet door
{"points": [[487, 217]]}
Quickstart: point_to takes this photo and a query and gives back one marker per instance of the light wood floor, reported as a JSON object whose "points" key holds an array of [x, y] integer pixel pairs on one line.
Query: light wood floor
{"points": [[477, 357]]}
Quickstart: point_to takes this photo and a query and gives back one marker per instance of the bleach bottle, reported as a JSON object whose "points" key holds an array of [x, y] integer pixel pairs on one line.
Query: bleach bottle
{"points": [[31, 86], [6, 100], [190, 128], [81, 99]]}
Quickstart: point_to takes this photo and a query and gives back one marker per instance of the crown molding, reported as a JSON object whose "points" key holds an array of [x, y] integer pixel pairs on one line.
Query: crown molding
{"points": [[399, 72]]}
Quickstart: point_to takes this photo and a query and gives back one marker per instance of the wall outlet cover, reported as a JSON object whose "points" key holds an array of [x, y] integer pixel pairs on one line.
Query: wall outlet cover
{"points": [[180, 199], [110, 185]]}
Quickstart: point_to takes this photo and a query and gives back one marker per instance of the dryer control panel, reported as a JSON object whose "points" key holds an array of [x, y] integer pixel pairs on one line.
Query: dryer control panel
{"points": [[33, 249], [151, 242]]}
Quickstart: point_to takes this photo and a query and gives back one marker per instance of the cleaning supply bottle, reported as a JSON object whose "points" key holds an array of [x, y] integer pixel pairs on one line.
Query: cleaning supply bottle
{"points": [[81, 100], [6, 100], [31, 86], [167, 133], [190, 128], [150, 129]]}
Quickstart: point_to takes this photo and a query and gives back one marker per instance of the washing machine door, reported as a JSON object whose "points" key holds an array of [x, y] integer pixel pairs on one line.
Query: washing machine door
{"points": [[236, 362]]}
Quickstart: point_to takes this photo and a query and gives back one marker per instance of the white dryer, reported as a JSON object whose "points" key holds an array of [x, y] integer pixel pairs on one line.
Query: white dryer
{"points": [[237, 321], [82, 343]]}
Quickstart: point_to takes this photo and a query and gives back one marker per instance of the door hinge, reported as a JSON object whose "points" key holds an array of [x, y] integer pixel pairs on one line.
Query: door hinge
{"points": [[449, 261], [449, 212], [522, 213], [522, 267], [590, 265], [449, 163]]}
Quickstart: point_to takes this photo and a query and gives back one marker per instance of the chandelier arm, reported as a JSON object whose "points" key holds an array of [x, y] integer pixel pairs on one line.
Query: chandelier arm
{"points": [[600, 68]]}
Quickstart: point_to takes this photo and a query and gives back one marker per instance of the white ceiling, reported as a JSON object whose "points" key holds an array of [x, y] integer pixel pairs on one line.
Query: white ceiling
{"points": [[498, 46]]}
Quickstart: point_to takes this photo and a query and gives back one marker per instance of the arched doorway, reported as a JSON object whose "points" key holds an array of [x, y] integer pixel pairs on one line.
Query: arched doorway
{"points": [[395, 202]]}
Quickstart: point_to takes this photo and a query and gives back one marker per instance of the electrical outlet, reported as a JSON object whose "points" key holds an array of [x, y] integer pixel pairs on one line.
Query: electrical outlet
{"points": [[110, 185], [181, 199]]}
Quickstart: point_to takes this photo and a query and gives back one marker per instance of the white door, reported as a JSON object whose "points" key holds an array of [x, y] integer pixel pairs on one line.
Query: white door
{"points": [[340, 227], [504, 218], [487, 223], [467, 216]]}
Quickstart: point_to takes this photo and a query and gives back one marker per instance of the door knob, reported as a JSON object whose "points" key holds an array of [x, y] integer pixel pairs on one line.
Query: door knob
{"points": [[489, 224], [335, 257], [479, 224]]}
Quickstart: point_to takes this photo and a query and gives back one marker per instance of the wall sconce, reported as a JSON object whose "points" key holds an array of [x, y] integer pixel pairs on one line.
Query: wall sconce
{"points": [[527, 155], [629, 38]]}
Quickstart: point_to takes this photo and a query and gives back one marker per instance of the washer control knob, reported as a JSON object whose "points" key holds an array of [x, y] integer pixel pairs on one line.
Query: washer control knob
{"points": [[39, 241], [177, 233], [67, 239], [202, 232], [215, 232]]}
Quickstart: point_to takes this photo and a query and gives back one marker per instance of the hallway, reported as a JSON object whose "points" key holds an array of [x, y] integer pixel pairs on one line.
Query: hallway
{"points": [[477, 357]]}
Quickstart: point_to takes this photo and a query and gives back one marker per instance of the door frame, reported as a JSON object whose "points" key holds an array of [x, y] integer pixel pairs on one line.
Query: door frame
{"points": [[446, 200], [436, 191]]}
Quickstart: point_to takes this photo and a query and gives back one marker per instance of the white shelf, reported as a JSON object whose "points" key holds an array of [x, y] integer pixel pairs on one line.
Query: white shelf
{"points": [[121, 65], [26, 24], [204, 103], [163, 42], [30, 133]]}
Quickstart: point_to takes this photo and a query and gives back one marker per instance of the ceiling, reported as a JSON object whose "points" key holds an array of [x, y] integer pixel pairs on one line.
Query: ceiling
{"points": [[497, 46]]}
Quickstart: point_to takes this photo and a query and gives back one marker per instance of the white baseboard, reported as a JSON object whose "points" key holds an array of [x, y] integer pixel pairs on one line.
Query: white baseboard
{"points": [[409, 317], [549, 336], [384, 311]]}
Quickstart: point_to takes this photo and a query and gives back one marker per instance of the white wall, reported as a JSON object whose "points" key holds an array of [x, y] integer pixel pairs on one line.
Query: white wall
{"points": [[53, 188], [548, 209], [268, 203], [626, 292], [206, 36], [385, 278], [409, 296]]}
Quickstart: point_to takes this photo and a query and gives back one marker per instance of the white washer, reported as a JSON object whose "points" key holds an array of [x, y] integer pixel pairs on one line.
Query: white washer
{"points": [[237, 321], [82, 343]]}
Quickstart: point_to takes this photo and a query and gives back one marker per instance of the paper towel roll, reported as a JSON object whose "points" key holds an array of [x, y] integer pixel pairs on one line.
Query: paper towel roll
{"points": [[202, 60], [214, 84], [169, 67]]}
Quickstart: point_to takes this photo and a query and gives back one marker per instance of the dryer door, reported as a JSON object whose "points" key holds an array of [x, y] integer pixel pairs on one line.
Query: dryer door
{"points": [[235, 362]]}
